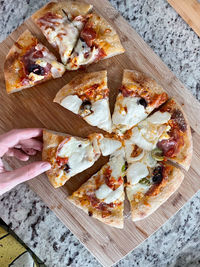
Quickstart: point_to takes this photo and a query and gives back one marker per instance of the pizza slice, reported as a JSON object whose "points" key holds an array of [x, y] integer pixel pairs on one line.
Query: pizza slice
{"points": [[102, 196], [68, 155], [88, 95], [29, 63], [61, 23], [166, 134], [150, 184], [138, 97], [98, 40]]}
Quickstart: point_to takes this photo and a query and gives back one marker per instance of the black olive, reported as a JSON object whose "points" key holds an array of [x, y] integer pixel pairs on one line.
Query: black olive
{"points": [[37, 69], [67, 168], [90, 213], [79, 145], [126, 165], [86, 106], [142, 102], [157, 175]]}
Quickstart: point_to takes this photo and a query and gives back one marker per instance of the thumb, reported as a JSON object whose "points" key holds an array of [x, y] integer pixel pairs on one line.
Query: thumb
{"points": [[28, 172]]}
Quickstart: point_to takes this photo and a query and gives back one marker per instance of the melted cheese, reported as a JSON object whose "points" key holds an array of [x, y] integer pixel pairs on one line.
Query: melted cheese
{"points": [[116, 162], [159, 117], [80, 155], [133, 190], [78, 57], [128, 111], [63, 35], [136, 171], [34, 77], [149, 161], [115, 195], [103, 191], [138, 139], [108, 146], [101, 115], [72, 103]]}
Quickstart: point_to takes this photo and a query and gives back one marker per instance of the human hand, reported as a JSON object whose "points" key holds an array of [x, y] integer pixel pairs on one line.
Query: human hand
{"points": [[20, 143]]}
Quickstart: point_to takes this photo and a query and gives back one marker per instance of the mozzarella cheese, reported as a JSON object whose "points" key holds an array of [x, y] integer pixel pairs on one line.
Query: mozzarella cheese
{"points": [[138, 139], [72, 102], [103, 191], [115, 195], [128, 111], [159, 117], [116, 163], [80, 155], [34, 77], [133, 190], [136, 171], [129, 146], [57, 69], [148, 160], [101, 115], [108, 146]]}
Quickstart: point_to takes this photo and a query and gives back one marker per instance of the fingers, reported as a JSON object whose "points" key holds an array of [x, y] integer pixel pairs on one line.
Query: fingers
{"points": [[13, 137], [29, 151], [31, 143], [13, 152], [10, 179]]}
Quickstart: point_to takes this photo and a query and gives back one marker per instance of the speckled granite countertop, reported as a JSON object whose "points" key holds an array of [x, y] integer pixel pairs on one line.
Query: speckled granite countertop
{"points": [[177, 243]]}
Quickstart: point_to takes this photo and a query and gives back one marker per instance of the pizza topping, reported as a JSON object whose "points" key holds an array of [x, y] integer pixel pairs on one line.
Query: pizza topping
{"points": [[36, 69], [133, 152], [114, 195], [99, 118], [90, 213], [157, 154], [136, 171], [128, 112], [138, 139], [179, 119], [149, 160], [157, 174], [103, 191], [67, 168], [72, 102], [159, 117], [108, 146], [85, 108], [145, 181], [88, 34], [143, 102]]}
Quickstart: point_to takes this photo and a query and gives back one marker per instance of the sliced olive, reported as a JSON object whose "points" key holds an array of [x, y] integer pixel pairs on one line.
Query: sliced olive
{"points": [[67, 168], [85, 107], [142, 102], [157, 175], [157, 154], [145, 181], [36, 69]]}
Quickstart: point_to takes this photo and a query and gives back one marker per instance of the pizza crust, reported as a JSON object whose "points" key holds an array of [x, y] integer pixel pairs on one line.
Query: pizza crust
{"points": [[140, 211], [81, 81], [75, 8]]}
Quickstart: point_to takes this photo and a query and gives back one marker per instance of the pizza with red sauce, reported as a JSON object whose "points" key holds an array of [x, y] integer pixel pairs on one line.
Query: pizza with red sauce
{"points": [[102, 196], [29, 63], [88, 96]]}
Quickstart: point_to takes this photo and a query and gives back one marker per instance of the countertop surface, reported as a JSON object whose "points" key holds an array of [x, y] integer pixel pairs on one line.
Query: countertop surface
{"points": [[177, 243]]}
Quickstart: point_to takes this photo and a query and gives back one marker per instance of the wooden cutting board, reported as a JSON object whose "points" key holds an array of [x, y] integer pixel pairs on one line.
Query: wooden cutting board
{"points": [[189, 10], [34, 108]]}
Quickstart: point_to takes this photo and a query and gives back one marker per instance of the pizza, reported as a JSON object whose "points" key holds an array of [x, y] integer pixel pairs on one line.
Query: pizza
{"points": [[29, 63], [98, 40], [139, 95], [150, 184], [88, 96], [61, 23], [68, 155], [166, 134], [102, 196]]}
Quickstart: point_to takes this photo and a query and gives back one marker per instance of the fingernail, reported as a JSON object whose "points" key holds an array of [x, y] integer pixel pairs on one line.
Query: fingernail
{"points": [[46, 166]]}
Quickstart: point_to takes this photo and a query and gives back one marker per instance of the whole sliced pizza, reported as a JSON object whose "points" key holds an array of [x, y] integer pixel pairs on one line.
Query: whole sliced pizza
{"points": [[148, 132]]}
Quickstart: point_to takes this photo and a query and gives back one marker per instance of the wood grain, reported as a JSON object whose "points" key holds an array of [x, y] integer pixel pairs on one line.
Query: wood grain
{"points": [[189, 10], [34, 108]]}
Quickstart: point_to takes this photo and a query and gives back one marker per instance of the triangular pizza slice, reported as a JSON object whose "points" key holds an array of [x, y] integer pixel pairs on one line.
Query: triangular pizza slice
{"points": [[102, 196], [68, 155], [61, 23], [88, 95], [149, 184], [29, 63], [166, 134], [138, 97], [98, 40]]}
